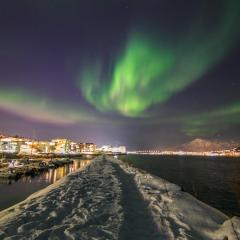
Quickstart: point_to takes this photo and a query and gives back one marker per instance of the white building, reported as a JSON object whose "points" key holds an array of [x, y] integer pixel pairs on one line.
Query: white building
{"points": [[110, 149], [60, 146], [9, 145], [106, 148], [26, 148], [120, 149]]}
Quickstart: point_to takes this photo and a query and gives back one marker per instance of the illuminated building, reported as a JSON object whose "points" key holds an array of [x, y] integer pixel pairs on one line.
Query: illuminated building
{"points": [[60, 146], [27, 148], [106, 148], [120, 149], [90, 147], [115, 150], [87, 147], [9, 145], [34, 147], [73, 147], [43, 146]]}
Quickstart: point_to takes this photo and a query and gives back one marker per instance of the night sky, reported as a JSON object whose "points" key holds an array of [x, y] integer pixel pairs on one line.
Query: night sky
{"points": [[147, 74]]}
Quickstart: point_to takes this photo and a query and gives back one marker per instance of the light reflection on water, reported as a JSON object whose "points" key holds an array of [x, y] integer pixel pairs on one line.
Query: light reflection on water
{"points": [[54, 175], [12, 192]]}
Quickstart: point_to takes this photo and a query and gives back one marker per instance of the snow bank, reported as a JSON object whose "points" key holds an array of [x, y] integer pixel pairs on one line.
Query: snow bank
{"points": [[111, 200], [177, 214], [84, 205]]}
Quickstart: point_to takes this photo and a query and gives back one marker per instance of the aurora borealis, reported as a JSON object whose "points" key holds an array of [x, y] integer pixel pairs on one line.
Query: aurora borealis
{"points": [[41, 109], [151, 71], [144, 74]]}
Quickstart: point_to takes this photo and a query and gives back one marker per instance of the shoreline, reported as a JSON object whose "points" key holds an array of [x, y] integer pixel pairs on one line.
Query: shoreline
{"points": [[237, 155], [56, 155], [37, 164], [31, 168], [45, 155]]}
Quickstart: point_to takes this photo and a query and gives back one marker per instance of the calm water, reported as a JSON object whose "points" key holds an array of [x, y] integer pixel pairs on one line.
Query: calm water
{"points": [[14, 192], [213, 180]]}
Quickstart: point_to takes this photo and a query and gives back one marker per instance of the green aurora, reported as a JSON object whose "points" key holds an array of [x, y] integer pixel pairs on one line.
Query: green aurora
{"points": [[148, 71], [209, 123], [152, 69], [41, 109]]}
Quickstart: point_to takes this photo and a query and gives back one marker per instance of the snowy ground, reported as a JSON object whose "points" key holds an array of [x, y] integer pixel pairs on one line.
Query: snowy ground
{"points": [[178, 215], [110, 200]]}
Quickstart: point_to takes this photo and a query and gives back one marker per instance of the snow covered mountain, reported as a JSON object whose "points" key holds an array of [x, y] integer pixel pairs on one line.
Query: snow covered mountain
{"points": [[199, 145]]}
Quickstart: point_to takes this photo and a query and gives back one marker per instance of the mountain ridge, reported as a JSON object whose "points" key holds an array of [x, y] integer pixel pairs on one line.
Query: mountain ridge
{"points": [[201, 145]]}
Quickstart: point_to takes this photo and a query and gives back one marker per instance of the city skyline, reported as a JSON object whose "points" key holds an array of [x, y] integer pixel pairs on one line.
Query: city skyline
{"points": [[145, 75], [17, 145]]}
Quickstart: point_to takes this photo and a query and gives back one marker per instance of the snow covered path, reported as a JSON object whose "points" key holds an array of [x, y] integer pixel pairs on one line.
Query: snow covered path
{"points": [[110, 200], [177, 214], [138, 222]]}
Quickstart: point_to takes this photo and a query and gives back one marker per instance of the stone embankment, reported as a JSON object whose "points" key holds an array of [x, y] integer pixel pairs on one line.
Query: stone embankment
{"points": [[28, 167]]}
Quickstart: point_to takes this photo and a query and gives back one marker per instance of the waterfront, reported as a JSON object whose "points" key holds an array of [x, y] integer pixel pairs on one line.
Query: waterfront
{"points": [[9, 189], [213, 180], [110, 200]]}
